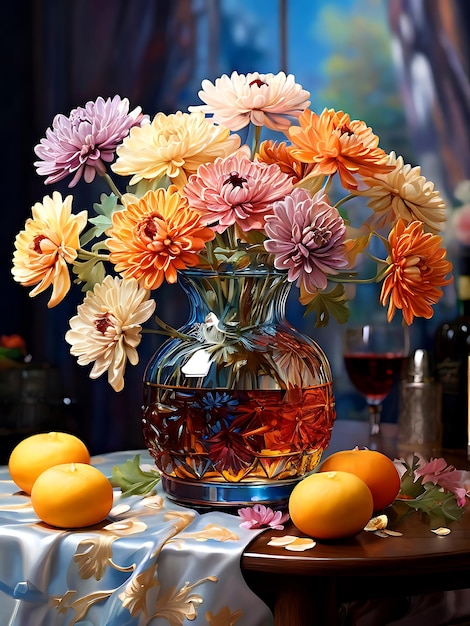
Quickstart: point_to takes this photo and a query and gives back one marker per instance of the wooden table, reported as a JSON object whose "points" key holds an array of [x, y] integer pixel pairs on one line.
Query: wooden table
{"points": [[308, 588]]}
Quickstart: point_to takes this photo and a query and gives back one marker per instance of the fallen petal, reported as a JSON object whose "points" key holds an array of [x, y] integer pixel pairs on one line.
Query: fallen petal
{"points": [[301, 544], [376, 523], [441, 531], [282, 541]]}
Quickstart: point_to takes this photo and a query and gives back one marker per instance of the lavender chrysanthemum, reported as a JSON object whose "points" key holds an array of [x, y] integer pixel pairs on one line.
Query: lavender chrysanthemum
{"points": [[307, 238], [81, 143]]}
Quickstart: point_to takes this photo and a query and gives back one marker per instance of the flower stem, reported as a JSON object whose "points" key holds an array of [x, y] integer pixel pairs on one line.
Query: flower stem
{"points": [[351, 196], [86, 254], [256, 140], [166, 330], [111, 185]]}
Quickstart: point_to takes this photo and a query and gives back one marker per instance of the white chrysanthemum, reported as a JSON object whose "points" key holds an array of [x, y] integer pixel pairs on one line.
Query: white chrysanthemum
{"points": [[107, 328], [268, 100]]}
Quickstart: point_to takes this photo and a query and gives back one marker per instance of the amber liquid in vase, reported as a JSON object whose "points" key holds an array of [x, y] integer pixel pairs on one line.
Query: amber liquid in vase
{"points": [[234, 435]]}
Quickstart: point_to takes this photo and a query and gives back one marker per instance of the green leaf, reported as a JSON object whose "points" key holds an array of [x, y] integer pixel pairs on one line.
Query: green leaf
{"points": [[132, 480], [104, 209], [437, 503], [325, 304]]}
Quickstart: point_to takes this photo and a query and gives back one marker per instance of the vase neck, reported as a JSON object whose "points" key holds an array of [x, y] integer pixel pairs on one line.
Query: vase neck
{"points": [[237, 300]]}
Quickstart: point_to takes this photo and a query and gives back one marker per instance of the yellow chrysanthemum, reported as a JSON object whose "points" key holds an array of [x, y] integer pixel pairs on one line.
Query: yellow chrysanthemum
{"points": [[404, 194], [107, 327], [174, 146], [332, 142], [47, 245], [155, 236], [417, 268]]}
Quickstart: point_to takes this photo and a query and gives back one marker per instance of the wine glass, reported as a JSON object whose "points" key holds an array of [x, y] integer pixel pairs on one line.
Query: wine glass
{"points": [[374, 355]]}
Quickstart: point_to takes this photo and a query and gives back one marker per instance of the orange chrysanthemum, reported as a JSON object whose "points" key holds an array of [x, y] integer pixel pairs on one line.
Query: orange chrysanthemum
{"points": [[417, 268], [333, 142], [155, 236], [279, 153]]}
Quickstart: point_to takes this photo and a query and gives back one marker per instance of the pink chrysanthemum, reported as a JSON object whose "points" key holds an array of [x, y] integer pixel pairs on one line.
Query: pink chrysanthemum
{"points": [[236, 190], [307, 238], [82, 143], [268, 100], [260, 516]]}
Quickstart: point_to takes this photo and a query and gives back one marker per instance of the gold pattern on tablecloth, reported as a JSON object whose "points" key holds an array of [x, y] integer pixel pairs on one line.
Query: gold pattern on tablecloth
{"points": [[224, 617], [96, 556], [211, 531]]}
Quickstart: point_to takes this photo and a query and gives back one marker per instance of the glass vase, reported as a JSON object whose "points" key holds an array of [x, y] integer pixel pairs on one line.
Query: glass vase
{"points": [[238, 406]]}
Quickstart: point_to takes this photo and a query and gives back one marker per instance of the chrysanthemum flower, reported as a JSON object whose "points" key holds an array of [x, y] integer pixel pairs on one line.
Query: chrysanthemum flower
{"points": [[82, 143], [174, 146], [261, 516], [332, 142], [279, 153], [268, 100], [236, 190], [417, 268], [155, 236], [47, 245], [307, 239], [107, 327], [404, 194]]}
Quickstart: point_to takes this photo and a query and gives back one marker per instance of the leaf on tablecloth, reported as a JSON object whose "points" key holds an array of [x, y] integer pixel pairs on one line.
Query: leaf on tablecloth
{"points": [[133, 480]]}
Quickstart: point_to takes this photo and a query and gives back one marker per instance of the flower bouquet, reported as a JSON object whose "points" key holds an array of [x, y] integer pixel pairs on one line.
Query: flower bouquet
{"points": [[202, 189], [236, 396]]}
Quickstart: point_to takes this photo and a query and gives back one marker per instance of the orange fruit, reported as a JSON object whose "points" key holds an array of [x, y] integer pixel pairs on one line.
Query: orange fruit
{"points": [[330, 505], [72, 495], [376, 470], [31, 456]]}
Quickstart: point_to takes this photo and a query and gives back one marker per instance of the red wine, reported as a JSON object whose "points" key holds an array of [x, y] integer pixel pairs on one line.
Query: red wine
{"points": [[373, 375]]}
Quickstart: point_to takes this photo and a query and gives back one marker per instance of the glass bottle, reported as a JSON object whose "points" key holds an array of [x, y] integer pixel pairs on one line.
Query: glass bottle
{"points": [[452, 350], [419, 422]]}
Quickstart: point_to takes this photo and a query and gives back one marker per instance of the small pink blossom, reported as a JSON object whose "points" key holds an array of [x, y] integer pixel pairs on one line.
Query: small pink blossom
{"points": [[83, 142], [236, 190], [260, 516], [307, 238], [437, 471]]}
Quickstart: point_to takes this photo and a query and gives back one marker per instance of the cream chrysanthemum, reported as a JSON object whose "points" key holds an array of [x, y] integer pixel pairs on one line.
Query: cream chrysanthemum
{"points": [[404, 194], [268, 100], [173, 146], [47, 246], [107, 327]]}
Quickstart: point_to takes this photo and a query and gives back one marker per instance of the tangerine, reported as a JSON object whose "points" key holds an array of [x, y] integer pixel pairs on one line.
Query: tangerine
{"points": [[72, 495], [36, 453], [374, 468], [330, 505]]}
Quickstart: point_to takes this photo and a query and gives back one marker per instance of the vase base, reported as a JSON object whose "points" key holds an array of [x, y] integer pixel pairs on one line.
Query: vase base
{"points": [[212, 495]]}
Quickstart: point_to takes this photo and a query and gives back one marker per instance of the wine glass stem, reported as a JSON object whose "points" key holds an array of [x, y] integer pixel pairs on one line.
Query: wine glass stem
{"points": [[375, 413]]}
